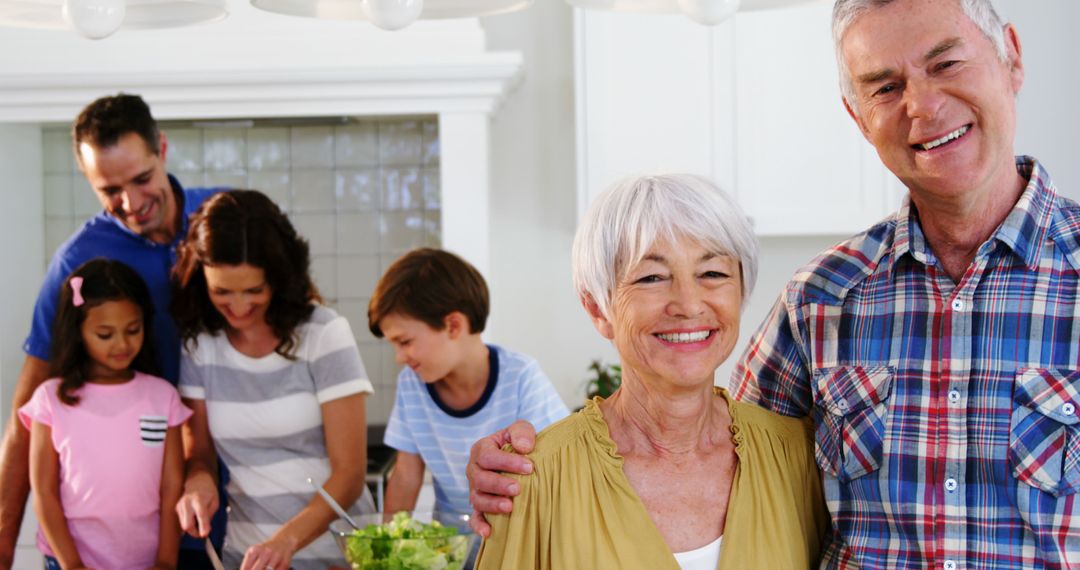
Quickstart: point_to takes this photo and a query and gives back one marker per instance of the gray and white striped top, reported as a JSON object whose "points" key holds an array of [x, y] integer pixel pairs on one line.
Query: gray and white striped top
{"points": [[266, 422]]}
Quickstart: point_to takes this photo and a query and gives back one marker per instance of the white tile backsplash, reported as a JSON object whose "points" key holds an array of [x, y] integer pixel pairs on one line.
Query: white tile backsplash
{"points": [[225, 178], [323, 269], [357, 189], [400, 143], [57, 230], [402, 188], [431, 181], [355, 311], [184, 151], [224, 149], [58, 156], [275, 184], [268, 149], [358, 233], [430, 140], [319, 231], [356, 145], [357, 275], [313, 190], [371, 354], [390, 371], [58, 196], [402, 231], [312, 147], [84, 199]]}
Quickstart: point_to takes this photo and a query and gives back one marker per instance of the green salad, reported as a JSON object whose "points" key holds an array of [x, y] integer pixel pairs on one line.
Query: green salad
{"points": [[407, 544]]}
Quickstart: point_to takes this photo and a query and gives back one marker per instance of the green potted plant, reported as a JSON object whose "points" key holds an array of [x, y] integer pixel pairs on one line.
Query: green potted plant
{"points": [[604, 379]]}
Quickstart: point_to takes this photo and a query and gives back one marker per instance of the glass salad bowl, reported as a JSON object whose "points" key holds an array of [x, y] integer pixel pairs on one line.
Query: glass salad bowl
{"points": [[410, 541]]}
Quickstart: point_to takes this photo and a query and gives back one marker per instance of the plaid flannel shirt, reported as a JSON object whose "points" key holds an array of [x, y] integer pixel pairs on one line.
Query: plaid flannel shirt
{"points": [[947, 416]]}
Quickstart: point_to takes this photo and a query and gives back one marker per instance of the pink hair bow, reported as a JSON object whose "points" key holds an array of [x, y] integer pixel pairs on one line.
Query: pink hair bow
{"points": [[76, 291]]}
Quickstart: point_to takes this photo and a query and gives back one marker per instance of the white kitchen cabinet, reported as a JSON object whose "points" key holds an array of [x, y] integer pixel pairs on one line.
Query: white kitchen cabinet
{"points": [[752, 103]]}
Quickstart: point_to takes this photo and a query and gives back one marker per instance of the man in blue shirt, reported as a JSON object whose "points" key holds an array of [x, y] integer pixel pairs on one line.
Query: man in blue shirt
{"points": [[122, 154]]}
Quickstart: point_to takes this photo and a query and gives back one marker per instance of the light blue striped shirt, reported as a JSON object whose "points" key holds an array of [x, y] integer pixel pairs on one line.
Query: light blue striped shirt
{"points": [[423, 425]]}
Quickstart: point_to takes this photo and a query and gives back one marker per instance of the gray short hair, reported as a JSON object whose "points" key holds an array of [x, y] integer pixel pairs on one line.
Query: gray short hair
{"points": [[845, 12], [628, 218]]}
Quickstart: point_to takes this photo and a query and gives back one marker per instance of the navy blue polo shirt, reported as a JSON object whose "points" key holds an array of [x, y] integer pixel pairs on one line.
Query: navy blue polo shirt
{"points": [[105, 236]]}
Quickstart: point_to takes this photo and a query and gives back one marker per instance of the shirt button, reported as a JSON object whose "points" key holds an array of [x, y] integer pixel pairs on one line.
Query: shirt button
{"points": [[950, 484], [949, 565], [842, 404], [958, 305], [954, 396], [1068, 409]]}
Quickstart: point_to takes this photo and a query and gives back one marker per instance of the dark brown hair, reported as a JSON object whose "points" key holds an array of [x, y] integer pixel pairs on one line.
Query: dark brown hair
{"points": [[102, 123], [103, 280], [235, 228], [427, 284]]}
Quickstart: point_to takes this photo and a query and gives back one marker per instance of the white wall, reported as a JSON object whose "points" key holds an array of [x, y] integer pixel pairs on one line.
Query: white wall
{"points": [[23, 239], [1048, 118], [20, 232], [533, 202]]}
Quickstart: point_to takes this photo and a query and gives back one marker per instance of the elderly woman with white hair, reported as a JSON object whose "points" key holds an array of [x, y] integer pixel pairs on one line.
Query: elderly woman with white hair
{"points": [[669, 472]]}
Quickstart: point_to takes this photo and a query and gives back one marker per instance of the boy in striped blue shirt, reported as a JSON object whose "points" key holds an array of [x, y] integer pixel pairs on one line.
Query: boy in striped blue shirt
{"points": [[432, 306]]}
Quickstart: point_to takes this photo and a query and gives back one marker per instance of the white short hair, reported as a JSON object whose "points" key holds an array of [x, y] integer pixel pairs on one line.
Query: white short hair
{"points": [[845, 12], [628, 218]]}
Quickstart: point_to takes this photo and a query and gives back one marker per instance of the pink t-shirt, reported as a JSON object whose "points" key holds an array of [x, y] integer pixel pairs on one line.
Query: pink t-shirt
{"points": [[111, 447]]}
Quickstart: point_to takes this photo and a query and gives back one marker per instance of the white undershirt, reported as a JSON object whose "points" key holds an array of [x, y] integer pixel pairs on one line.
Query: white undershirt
{"points": [[704, 558]]}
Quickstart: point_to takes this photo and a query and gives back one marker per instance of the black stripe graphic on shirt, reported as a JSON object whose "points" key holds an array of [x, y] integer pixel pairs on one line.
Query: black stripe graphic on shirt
{"points": [[152, 430]]}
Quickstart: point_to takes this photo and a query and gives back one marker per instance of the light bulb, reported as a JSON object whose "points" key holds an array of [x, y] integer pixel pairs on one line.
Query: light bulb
{"points": [[94, 19], [393, 14], [709, 12]]}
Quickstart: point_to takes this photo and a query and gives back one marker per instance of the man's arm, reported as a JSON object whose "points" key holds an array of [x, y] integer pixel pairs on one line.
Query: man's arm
{"points": [[15, 461], [772, 372]]}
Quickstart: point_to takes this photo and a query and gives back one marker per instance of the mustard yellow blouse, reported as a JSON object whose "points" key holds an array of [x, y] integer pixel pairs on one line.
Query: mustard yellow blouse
{"points": [[578, 511]]}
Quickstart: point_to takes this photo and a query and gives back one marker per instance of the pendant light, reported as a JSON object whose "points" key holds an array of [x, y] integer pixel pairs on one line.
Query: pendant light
{"points": [[97, 19], [390, 14], [707, 12]]}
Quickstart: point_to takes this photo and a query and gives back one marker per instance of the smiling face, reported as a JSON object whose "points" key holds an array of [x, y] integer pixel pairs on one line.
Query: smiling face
{"points": [[240, 293], [131, 183], [428, 351], [113, 335], [934, 98], [675, 315]]}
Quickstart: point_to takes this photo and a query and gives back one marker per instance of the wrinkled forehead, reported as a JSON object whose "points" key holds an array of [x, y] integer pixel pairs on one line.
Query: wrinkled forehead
{"points": [[905, 30]]}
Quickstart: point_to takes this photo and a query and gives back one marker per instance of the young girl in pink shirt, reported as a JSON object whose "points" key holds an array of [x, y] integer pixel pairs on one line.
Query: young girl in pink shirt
{"points": [[106, 460]]}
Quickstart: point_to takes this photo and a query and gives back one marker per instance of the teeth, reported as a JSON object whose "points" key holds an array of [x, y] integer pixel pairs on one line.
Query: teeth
{"points": [[685, 337], [951, 136]]}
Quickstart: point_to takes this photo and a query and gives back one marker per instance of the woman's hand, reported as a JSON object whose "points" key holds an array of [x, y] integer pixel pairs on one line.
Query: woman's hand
{"points": [[489, 491], [274, 554], [197, 505]]}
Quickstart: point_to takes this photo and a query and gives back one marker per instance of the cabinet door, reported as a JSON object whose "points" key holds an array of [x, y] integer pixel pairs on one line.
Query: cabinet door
{"points": [[803, 167], [643, 93], [752, 103]]}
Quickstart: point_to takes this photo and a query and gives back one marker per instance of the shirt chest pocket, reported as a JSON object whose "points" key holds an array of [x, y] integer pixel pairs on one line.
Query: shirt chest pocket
{"points": [[1044, 437], [849, 418]]}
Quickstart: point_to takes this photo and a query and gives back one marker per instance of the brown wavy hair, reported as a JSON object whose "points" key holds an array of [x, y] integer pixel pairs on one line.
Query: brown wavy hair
{"points": [[235, 228], [103, 280]]}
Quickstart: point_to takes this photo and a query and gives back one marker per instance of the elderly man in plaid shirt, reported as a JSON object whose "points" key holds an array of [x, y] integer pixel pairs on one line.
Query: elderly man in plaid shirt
{"points": [[938, 352]]}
